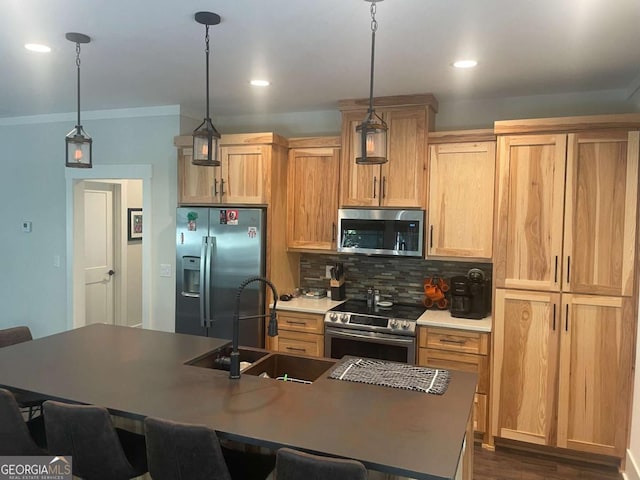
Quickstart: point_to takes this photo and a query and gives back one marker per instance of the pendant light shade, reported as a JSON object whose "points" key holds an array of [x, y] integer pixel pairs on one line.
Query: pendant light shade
{"points": [[206, 137], [78, 142], [371, 147]]}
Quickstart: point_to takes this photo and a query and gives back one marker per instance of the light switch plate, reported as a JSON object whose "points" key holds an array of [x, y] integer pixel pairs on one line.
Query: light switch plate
{"points": [[165, 270], [327, 271], [26, 226]]}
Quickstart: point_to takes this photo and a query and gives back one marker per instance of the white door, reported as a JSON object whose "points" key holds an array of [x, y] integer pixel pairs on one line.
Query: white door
{"points": [[98, 253]]}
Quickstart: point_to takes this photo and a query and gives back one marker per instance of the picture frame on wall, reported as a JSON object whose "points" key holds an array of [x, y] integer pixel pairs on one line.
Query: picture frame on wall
{"points": [[134, 230]]}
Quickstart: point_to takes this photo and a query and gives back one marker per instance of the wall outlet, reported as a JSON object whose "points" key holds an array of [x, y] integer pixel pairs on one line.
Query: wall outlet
{"points": [[327, 271], [165, 270]]}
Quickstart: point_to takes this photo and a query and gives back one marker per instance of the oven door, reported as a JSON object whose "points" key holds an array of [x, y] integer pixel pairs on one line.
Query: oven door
{"points": [[339, 342]]}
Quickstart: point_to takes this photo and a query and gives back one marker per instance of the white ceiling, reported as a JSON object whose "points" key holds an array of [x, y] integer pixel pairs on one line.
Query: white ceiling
{"points": [[147, 53]]}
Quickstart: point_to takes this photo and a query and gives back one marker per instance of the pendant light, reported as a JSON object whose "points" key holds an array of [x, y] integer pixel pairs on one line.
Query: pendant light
{"points": [[371, 149], [78, 142], [206, 137]]}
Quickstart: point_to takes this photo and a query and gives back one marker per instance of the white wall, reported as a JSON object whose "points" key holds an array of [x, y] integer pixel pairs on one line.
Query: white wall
{"points": [[452, 114], [32, 187]]}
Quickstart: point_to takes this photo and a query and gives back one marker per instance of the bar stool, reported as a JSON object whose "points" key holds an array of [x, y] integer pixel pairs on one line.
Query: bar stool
{"points": [[17, 437], [295, 465], [179, 450], [99, 451]]}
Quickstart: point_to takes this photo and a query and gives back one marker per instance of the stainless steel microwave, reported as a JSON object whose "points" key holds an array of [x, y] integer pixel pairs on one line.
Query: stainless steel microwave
{"points": [[381, 232]]}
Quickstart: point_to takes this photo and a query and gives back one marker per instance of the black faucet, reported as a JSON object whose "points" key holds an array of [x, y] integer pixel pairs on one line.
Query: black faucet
{"points": [[234, 370]]}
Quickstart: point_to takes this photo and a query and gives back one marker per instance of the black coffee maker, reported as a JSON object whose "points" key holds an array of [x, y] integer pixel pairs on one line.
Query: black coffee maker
{"points": [[470, 295]]}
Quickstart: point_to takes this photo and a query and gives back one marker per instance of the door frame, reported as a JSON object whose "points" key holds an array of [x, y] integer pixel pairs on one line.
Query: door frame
{"points": [[75, 186]]}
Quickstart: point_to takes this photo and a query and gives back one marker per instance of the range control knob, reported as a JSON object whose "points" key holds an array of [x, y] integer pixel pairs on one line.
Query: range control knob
{"points": [[344, 318], [405, 325], [333, 317], [393, 323]]}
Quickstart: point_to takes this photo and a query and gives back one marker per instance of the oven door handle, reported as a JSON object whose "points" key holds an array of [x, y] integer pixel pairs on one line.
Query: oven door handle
{"points": [[376, 337]]}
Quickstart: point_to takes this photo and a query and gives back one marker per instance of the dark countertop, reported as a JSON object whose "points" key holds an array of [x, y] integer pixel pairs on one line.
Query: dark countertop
{"points": [[139, 373]]}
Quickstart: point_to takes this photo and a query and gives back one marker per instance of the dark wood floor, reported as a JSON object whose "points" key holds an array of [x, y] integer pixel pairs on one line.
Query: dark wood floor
{"points": [[509, 464]]}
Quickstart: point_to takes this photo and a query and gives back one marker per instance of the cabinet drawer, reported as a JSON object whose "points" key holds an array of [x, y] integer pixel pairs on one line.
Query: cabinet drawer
{"points": [[454, 340], [464, 362], [480, 413], [301, 322], [300, 343]]}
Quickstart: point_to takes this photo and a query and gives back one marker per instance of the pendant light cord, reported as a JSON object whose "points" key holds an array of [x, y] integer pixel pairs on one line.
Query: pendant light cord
{"points": [[78, 67], [374, 27], [206, 41]]}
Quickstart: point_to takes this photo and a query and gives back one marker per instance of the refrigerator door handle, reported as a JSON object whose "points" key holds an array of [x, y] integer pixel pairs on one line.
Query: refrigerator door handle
{"points": [[212, 244], [204, 282]]}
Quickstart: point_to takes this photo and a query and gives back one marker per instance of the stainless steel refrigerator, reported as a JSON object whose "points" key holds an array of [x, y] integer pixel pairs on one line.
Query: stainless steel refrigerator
{"points": [[217, 249]]}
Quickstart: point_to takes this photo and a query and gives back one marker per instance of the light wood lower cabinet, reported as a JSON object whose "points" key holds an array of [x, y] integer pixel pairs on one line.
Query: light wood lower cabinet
{"points": [[562, 370], [462, 350], [299, 333]]}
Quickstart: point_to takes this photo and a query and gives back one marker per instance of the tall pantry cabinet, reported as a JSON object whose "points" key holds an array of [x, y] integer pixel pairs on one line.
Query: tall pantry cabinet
{"points": [[564, 319]]}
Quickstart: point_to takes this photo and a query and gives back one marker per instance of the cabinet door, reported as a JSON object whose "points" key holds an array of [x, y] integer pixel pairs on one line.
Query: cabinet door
{"points": [[359, 184], [596, 349], [245, 174], [461, 225], [600, 213], [525, 365], [195, 183], [404, 176], [530, 213], [312, 198]]}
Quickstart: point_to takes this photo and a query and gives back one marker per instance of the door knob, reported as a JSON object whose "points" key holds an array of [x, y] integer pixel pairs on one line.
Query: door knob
{"points": [[111, 273]]}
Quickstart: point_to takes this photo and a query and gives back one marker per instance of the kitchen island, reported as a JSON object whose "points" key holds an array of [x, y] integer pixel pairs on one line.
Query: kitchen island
{"points": [[138, 373]]}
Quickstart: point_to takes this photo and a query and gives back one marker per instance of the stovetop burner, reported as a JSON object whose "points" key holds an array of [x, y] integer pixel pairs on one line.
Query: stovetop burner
{"points": [[398, 319], [398, 311]]}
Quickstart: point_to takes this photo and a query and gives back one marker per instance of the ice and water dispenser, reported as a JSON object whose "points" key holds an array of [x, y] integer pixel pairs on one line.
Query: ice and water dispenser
{"points": [[190, 276]]}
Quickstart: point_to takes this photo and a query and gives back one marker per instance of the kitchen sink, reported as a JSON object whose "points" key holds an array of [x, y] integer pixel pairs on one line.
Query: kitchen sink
{"points": [[219, 359], [294, 368]]}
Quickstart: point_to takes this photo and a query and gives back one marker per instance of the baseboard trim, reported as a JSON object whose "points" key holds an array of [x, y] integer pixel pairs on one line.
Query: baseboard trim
{"points": [[631, 472]]}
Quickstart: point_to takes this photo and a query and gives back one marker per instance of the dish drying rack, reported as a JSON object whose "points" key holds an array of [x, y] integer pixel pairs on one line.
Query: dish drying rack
{"points": [[286, 378]]}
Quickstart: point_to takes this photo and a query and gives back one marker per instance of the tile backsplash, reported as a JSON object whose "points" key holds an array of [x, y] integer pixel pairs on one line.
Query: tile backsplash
{"points": [[399, 279]]}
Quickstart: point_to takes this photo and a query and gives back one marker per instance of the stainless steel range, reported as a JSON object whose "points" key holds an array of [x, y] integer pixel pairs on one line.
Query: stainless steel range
{"points": [[386, 333]]}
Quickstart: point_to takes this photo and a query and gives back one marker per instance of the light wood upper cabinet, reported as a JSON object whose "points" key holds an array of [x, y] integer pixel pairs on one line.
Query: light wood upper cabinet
{"points": [[530, 216], [312, 197], [243, 178], [401, 182], [596, 351], [525, 363], [595, 209], [600, 220], [243, 174], [195, 184], [359, 184], [403, 177], [461, 199]]}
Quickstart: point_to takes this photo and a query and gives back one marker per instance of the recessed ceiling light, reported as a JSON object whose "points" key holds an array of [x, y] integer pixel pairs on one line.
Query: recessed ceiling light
{"points": [[465, 63], [260, 83], [37, 47]]}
